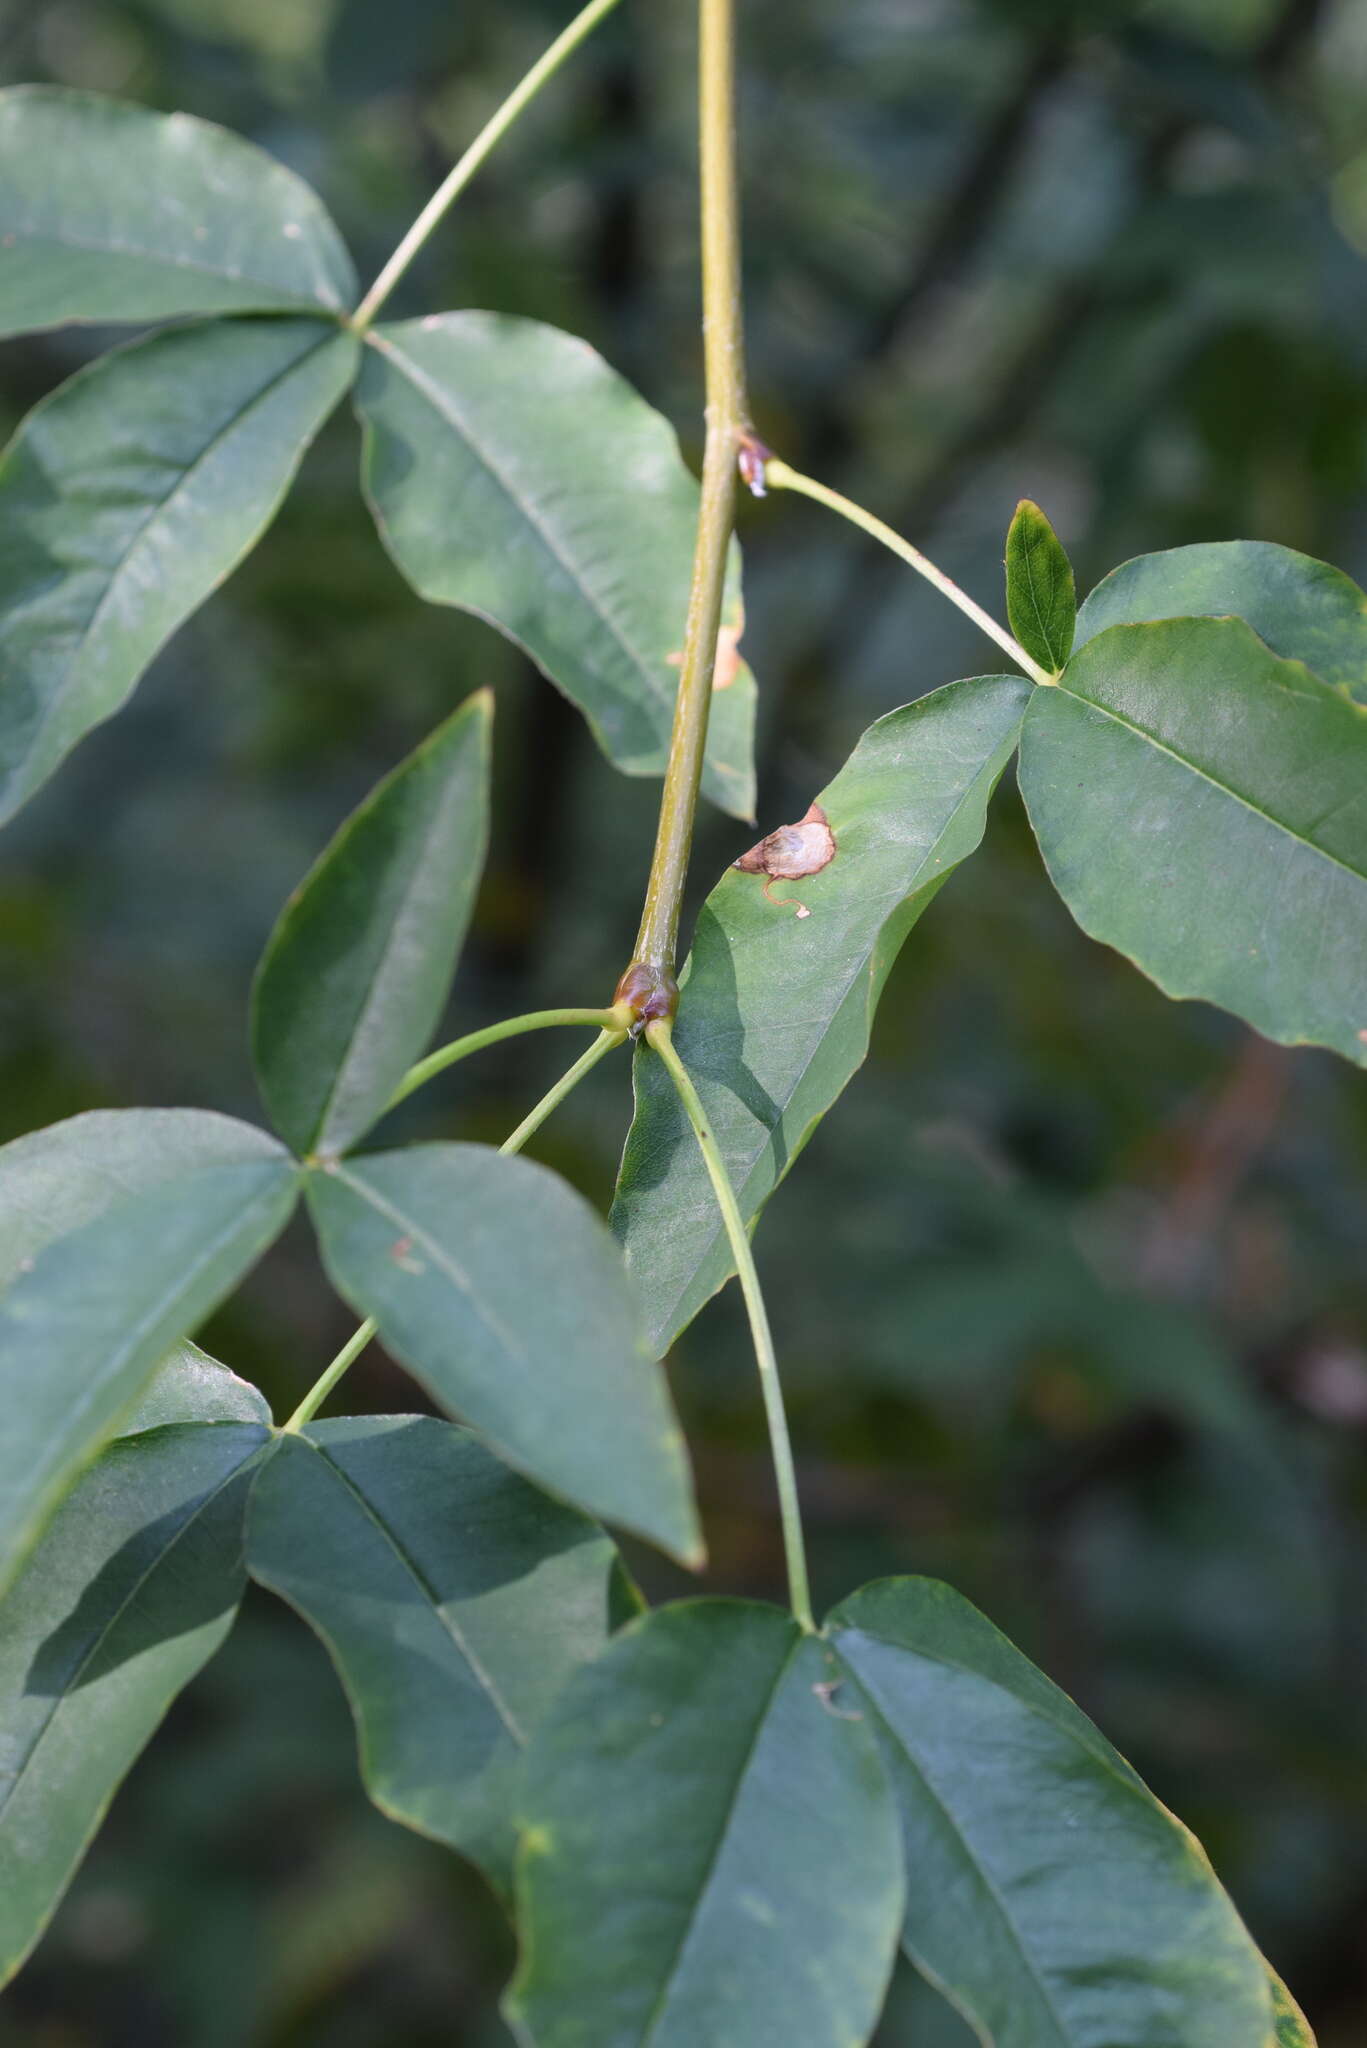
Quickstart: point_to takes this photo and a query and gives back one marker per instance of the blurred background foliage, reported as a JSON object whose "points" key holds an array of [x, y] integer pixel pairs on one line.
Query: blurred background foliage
{"points": [[1071, 1288]]}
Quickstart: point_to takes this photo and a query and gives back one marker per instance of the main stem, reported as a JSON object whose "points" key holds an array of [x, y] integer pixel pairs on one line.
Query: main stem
{"points": [[659, 1035], [493, 131], [727, 420]]}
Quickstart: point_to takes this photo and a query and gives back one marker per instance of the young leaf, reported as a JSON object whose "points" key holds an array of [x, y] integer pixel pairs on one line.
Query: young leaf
{"points": [[711, 1850], [126, 498], [1049, 1895], [778, 1007], [1202, 807], [454, 1600], [500, 1288], [1302, 608], [357, 969], [111, 212], [512, 473], [121, 1231], [132, 1588], [1041, 601]]}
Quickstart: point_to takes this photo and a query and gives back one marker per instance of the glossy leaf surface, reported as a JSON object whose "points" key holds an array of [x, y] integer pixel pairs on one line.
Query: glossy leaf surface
{"points": [[711, 1853], [1041, 600], [126, 498], [133, 1586], [514, 474], [1049, 1895], [499, 1286], [357, 969], [777, 1008], [189, 1386], [454, 1599], [112, 212], [1202, 807], [122, 1230], [1305, 610]]}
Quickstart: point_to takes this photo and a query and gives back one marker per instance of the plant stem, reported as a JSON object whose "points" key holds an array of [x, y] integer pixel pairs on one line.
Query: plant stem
{"points": [[493, 131], [323, 1386], [727, 419], [659, 1035], [785, 479], [475, 1041], [605, 1042], [356, 1344]]}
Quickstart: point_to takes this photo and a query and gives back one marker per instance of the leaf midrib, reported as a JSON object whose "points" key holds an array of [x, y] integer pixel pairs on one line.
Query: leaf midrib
{"points": [[155, 1564], [419, 1578], [158, 259], [1204, 774]]}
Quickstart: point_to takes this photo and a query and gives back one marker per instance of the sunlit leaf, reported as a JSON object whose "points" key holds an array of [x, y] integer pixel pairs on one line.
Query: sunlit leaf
{"points": [[112, 212], [499, 1286], [1304, 610], [777, 1007], [126, 498], [514, 474], [1048, 1893], [357, 969], [454, 1599], [1202, 807], [711, 1850], [122, 1230]]}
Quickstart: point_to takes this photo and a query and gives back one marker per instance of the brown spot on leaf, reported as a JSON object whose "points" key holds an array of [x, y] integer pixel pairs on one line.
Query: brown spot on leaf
{"points": [[401, 1252], [729, 657], [792, 851]]}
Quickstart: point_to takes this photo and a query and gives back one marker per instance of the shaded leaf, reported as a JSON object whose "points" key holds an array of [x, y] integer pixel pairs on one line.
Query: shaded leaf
{"points": [[1041, 600], [131, 1225], [113, 212], [512, 473], [1304, 610], [776, 1010], [1202, 807], [132, 1588], [357, 970], [454, 1600], [126, 498], [711, 1852], [1049, 1895], [500, 1288]]}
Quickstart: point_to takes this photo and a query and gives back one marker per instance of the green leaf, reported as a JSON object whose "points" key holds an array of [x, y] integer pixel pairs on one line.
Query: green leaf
{"points": [[454, 1600], [1202, 807], [777, 1008], [356, 972], [512, 473], [122, 1230], [1049, 1895], [501, 1289], [133, 1587], [126, 498], [711, 1851], [189, 1386], [111, 212], [1302, 608], [1041, 601], [1292, 2027]]}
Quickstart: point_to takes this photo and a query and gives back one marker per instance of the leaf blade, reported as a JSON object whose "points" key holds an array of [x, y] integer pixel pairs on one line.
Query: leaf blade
{"points": [[112, 1272], [1199, 804], [133, 1587], [355, 974], [907, 807], [1094, 1915], [113, 212], [502, 1290], [126, 498], [581, 514], [1041, 599], [671, 1890], [453, 1598]]}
